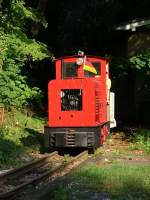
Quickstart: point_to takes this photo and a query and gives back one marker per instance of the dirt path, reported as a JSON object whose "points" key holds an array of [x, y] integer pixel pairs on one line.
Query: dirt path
{"points": [[119, 149]]}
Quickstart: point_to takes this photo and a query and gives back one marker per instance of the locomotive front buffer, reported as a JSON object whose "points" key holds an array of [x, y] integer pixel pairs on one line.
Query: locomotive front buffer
{"points": [[80, 104]]}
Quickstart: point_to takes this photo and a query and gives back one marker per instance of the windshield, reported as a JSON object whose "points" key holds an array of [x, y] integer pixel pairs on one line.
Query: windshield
{"points": [[69, 70]]}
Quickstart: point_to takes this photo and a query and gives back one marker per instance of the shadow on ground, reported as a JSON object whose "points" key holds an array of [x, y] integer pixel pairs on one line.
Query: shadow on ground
{"points": [[34, 140], [10, 153], [74, 190]]}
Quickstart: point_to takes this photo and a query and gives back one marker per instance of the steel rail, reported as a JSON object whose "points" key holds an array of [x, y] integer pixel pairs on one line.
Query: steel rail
{"points": [[25, 168], [50, 173]]}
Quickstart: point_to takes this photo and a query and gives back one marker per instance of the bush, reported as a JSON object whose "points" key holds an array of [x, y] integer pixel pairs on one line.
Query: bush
{"points": [[141, 140]]}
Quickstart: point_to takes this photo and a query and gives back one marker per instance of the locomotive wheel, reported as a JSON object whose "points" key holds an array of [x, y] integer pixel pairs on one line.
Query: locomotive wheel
{"points": [[105, 130]]}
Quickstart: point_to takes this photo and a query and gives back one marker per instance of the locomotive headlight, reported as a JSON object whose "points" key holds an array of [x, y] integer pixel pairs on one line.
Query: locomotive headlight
{"points": [[79, 61]]}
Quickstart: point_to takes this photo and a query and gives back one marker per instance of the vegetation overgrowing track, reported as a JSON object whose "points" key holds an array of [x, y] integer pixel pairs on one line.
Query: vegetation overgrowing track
{"points": [[49, 167]]}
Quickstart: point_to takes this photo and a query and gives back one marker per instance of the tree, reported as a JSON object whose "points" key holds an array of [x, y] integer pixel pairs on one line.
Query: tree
{"points": [[16, 48]]}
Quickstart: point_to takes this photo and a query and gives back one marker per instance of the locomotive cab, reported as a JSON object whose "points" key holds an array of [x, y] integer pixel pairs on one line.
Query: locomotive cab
{"points": [[78, 103]]}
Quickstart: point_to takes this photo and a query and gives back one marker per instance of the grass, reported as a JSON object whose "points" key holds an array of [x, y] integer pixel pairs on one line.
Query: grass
{"points": [[67, 157], [62, 193], [124, 177], [117, 182], [20, 136]]}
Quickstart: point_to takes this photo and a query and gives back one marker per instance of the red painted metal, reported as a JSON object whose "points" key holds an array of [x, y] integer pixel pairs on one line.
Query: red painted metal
{"points": [[104, 132], [93, 89]]}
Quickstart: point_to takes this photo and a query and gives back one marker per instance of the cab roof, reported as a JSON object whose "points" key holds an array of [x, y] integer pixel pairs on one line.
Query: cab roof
{"points": [[88, 56]]}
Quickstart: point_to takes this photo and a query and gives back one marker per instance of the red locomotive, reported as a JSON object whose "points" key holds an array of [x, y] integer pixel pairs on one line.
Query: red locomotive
{"points": [[79, 103]]}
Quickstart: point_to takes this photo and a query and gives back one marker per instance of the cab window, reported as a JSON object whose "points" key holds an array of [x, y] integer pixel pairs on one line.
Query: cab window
{"points": [[69, 70]]}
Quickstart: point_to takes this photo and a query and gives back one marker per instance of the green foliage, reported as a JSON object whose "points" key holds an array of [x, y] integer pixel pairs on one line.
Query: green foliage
{"points": [[20, 10], [16, 49], [14, 90], [141, 61], [121, 66], [16, 14], [141, 140]]}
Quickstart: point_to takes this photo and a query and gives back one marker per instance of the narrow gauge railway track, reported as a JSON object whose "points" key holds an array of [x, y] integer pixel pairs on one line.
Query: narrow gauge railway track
{"points": [[48, 167]]}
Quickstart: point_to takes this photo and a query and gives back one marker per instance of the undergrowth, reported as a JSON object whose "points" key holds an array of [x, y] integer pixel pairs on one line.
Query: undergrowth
{"points": [[140, 140], [20, 138]]}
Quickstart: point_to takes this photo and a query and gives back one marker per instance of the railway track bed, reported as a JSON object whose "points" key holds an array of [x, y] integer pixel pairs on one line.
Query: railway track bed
{"points": [[49, 167]]}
